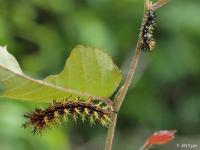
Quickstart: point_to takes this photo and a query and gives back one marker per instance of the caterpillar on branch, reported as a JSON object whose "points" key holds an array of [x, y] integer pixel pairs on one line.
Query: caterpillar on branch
{"points": [[90, 111], [148, 42]]}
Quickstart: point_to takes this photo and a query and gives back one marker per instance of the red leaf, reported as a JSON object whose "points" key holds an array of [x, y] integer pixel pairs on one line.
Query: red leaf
{"points": [[160, 137]]}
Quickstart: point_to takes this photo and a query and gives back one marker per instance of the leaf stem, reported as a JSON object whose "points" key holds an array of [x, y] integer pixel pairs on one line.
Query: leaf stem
{"points": [[144, 147], [118, 100]]}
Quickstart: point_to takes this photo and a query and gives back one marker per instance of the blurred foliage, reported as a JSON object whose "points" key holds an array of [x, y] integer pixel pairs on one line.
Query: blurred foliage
{"points": [[165, 93]]}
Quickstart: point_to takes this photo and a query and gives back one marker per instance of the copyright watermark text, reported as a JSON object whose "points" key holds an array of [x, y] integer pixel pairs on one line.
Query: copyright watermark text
{"points": [[184, 146]]}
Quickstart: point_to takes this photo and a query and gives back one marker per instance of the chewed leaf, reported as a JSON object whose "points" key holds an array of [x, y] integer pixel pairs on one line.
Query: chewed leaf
{"points": [[79, 78], [88, 70]]}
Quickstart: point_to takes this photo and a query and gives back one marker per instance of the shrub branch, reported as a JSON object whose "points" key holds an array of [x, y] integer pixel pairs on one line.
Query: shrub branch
{"points": [[118, 100]]}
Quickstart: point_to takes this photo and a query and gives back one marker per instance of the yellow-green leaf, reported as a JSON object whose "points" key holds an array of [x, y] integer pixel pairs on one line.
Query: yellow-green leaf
{"points": [[87, 72]]}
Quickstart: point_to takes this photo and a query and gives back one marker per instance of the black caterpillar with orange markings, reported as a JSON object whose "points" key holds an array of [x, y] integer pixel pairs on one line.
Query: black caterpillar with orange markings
{"points": [[88, 110], [148, 42]]}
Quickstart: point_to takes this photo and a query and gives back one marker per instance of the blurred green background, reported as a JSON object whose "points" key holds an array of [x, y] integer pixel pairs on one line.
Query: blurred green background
{"points": [[166, 90]]}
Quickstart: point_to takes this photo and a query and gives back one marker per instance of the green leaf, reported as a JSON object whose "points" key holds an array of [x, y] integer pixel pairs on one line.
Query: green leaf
{"points": [[87, 72]]}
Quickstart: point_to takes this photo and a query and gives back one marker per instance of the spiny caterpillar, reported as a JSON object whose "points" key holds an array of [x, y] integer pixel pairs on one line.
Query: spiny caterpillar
{"points": [[148, 42], [85, 110]]}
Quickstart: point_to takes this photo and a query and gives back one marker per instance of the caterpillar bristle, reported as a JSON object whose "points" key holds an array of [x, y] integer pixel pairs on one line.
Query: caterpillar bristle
{"points": [[148, 42], [91, 121], [96, 115], [86, 111], [83, 118], [59, 112]]}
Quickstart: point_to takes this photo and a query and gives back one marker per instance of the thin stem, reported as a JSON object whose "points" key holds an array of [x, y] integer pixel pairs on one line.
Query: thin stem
{"points": [[145, 147], [111, 132], [118, 100], [122, 92]]}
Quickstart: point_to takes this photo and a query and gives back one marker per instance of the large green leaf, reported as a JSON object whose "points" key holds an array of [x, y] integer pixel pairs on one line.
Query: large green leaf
{"points": [[87, 72]]}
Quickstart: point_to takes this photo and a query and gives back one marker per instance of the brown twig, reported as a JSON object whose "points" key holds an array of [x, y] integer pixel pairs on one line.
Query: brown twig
{"points": [[118, 100]]}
